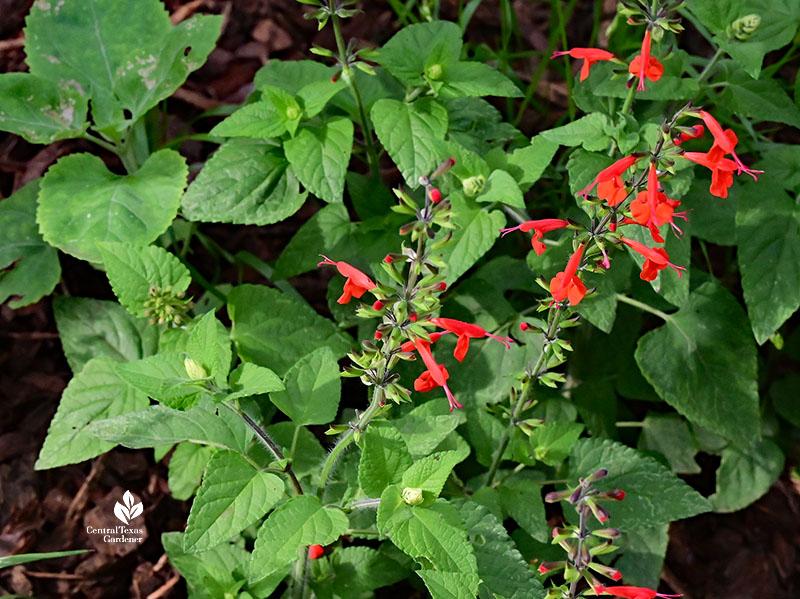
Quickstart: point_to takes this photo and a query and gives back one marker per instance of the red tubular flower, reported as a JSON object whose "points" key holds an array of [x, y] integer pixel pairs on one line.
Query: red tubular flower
{"points": [[436, 375], [721, 170], [589, 56], [645, 66], [653, 208], [693, 133], [566, 285], [615, 170], [657, 259], [539, 227], [465, 331], [725, 141], [357, 282], [629, 592], [612, 191], [409, 346], [315, 551]]}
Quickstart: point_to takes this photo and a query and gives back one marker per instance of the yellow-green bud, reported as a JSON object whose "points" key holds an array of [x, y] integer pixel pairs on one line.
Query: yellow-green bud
{"points": [[412, 495], [293, 113], [473, 185], [743, 27], [434, 72], [194, 369]]}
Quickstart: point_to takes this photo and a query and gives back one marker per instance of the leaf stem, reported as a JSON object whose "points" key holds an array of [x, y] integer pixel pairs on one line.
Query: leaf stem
{"points": [[705, 72]]}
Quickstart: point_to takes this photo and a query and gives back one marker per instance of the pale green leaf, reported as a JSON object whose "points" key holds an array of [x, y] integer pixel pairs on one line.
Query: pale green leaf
{"points": [[272, 116], [477, 79], [164, 378], [412, 49], [250, 379], [24, 558], [588, 131], [186, 466], [313, 389], [427, 425], [501, 187]]}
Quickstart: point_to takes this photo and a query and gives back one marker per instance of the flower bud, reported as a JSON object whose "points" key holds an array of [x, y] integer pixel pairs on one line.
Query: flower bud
{"points": [[442, 286], [554, 496], [293, 113], [524, 326], [378, 305], [473, 185], [743, 27], [412, 495], [602, 473], [315, 551], [413, 317], [434, 72], [435, 195], [194, 369], [378, 335], [617, 494]]}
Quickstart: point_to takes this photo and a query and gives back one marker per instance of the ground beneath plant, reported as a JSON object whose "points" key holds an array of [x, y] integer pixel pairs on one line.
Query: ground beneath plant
{"points": [[752, 554]]}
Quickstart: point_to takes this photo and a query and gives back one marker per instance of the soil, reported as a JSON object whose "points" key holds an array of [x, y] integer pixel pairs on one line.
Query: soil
{"points": [[752, 554]]}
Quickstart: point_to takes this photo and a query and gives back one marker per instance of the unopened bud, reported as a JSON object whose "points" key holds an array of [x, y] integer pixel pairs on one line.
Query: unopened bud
{"points": [[743, 27], [524, 326], [435, 195], [617, 494], [473, 185], [315, 551], [602, 473], [412, 495], [443, 168], [442, 286], [378, 305], [194, 369], [413, 317], [378, 335], [434, 72], [293, 113], [554, 496]]}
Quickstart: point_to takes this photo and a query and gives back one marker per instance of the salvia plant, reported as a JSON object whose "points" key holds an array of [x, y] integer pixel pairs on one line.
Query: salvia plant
{"points": [[480, 382]]}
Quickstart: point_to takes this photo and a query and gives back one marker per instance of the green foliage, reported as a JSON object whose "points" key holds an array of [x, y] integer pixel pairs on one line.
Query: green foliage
{"points": [[312, 389], [746, 474], [320, 155]]}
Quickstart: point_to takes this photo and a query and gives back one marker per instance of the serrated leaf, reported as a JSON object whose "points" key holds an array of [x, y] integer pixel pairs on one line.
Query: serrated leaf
{"points": [[272, 116], [588, 131], [501, 187], [292, 75], [384, 458], [250, 379], [315, 95], [301, 521], [163, 377], [360, 569], [431, 472], [82, 203], [409, 51], [449, 585], [643, 555], [279, 337], [710, 376], [410, 133], [552, 442], [133, 269], [744, 475], [96, 328], [245, 182], [218, 565], [233, 495], [95, 393], [527, 164], [521, 498], [477, 79], [39, 110], [760, 99], [313, 389], [427, 425], [501, 567], [654, 495], [186, 466], [674, 288], [29, 267], [159, 425], [320, 156], [669, 435], [768, 237]]}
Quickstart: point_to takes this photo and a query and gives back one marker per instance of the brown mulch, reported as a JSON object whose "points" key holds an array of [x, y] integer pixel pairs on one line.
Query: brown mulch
{"points": [[752, 554]]}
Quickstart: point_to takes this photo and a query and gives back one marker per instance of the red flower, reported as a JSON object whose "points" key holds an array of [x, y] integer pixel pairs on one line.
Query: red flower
{"points": [[653, 208], [357, 282], [693, 133], [435, 376], [657, 259], [566, 285], [725, 143], [315, 551], [629, 592], [465, 331], [589, 56], [721, 170], [540, 227], [612, 191], [615, 170], [645, 66]]}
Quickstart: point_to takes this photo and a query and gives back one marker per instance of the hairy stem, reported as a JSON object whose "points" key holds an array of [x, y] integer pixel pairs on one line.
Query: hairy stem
{"points": [[579, 565]]}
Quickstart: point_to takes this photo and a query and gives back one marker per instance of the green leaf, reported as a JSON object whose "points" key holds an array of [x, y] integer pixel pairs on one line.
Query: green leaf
{"points": [[768, 237], [449, 585], [315, 95], [669, 435], [552, 442], [313, 389], [412, 49], [250, 379], [320, 156], [527, 164], [745, 475], [760, 99], [521, 498], [427, 425], [280, 336], [299, 522], [95, 328], [133, 269], [39, 110], [710, 376], [308, 454], [784, 397], [475, 234], [431, 472], [318, 235], [234, 495], [292, 75], [501, 567], [384, 458], [588, 131], [477, 79], [410, 133], [478, 126], [711, 218], [654, 495], [674, 288], [95, 393], [245, 182], [643, 555], [164, 378], [159, 425], [24, 558], [501, 187], [186, 468], [132, 67], [82, 203], [29, 267], [275, 114], [583, 167], [601, 309], [359, 570]]}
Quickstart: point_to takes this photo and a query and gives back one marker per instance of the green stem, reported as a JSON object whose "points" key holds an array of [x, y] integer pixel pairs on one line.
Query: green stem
{"points": [[705, 72], [662, 315], [568, 68], [626, 106], [299, 588], [629, 424], [347, 73], [523, 397], [579, 565]]}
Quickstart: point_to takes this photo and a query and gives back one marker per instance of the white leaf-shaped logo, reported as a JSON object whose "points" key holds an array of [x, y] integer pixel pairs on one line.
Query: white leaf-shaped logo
{"points": [[129, 511]]}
